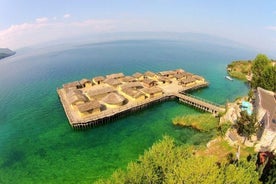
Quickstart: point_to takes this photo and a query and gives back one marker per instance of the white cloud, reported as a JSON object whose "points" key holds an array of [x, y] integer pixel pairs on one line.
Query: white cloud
{"points": [[41, 19], [66, 16], [46, 30], [51, 29]]}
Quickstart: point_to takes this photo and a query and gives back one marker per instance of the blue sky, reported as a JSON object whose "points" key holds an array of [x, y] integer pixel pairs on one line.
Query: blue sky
{"points": [[250, 22]]}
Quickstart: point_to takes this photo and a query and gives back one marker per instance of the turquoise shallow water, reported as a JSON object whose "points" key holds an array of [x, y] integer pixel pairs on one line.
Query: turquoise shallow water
{"points": [[38, 146]]}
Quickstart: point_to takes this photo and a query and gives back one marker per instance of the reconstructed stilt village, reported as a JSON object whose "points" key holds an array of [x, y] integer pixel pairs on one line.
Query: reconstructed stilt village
{"points": [[91, 102]]}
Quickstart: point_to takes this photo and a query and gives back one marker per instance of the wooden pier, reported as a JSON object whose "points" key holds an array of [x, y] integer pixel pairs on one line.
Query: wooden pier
{"points": [[200, 103], [165, 91]]}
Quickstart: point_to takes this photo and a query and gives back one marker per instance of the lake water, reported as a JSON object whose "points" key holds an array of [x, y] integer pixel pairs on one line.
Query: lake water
{"points": [[37, 145]]}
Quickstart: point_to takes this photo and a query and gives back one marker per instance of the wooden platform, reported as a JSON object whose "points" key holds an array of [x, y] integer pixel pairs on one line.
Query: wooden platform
{"points": [[170, 90]]}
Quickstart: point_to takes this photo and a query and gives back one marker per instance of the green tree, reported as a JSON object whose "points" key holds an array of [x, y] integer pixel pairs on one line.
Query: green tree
{"points": [[165, 162], [222, 128], [246, 125], [260, 63], [268, 79], [197, 170], [241, 172]]}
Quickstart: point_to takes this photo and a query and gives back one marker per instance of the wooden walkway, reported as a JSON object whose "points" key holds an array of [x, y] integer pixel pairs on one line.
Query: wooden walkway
{"points": [[200, 103]]}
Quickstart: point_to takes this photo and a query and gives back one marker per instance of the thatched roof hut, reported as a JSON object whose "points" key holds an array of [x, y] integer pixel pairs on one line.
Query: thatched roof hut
{"points": [[164, 79], [149, 74], [180, 71], [187, 74], [134, 85], [187, 81], [114, 99], [76, 97], [115, 76], [134, 93], [97, 91], [73, 91], [169, 73], [112, 82], [149, 82], [89, 106], [179, 76], [152, 91], [129, 79], [72, 85], [85, 82], [98, 79], [138, 75]]}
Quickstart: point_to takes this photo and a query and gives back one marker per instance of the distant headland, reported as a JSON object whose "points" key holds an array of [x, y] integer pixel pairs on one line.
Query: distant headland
{"points": [[5, 52]]}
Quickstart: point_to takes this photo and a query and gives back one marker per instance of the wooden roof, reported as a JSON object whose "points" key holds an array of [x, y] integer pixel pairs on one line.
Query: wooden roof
{"points": [[149, 74], [77, 97], [98, 78], [179, 75], [112, 81], [149, 81], [84, 81], [88, 106], [99, 90], [115, 76], [197, 77], [187, 74], [188, 80], [113, 99], [132, 85], [164, 79], [129, 79], [152, 90], [133, 93], [169, 72], [137, 75], [180, 70], [71, 84], [73, 91]]}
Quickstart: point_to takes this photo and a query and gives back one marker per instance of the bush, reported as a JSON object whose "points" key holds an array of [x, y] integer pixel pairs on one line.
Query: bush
{"points": [[165, 162], [203, 122]]}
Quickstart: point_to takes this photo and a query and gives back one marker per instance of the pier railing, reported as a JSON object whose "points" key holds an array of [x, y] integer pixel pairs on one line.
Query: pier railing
{"points": [[203, 100], [111, 112]]}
